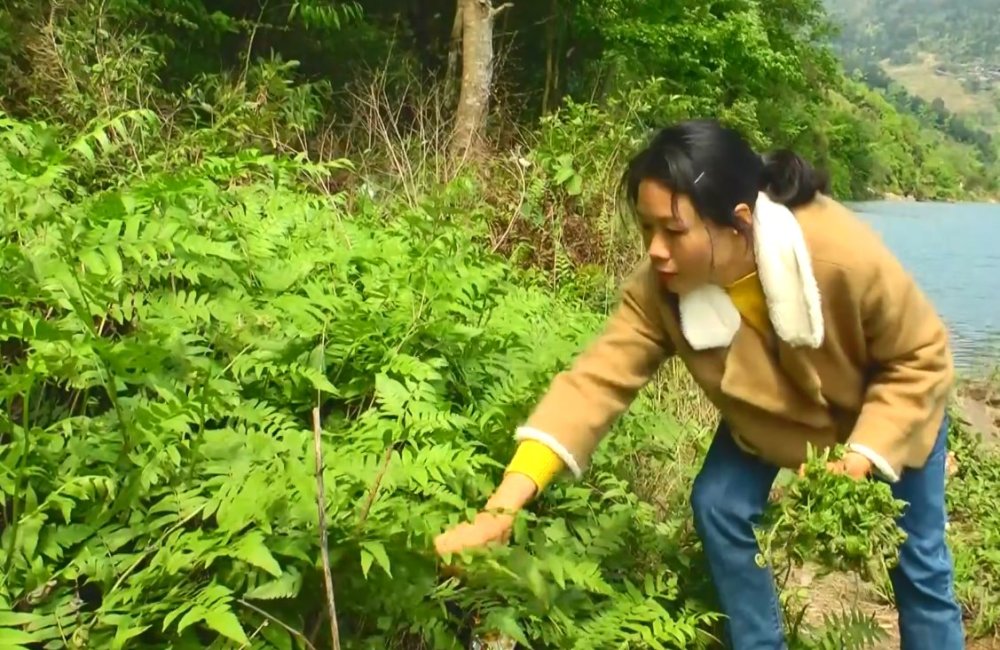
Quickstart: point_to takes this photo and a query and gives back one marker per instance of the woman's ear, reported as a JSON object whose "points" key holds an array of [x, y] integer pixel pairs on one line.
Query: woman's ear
{"points": [[744, 214]]}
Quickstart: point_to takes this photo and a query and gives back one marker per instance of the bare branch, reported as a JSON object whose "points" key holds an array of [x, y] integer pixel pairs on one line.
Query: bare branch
{"points": [[374, 489], [271, 618], [496, 10], [323, 544]]}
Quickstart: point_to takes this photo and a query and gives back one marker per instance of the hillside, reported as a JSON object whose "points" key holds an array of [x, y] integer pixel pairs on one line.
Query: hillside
{"points": [[264, 334], [934, 49], [965, 33]]}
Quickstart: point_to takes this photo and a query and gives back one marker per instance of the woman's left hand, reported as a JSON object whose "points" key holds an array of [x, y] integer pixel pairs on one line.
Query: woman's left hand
{"points": [[853, 464]]}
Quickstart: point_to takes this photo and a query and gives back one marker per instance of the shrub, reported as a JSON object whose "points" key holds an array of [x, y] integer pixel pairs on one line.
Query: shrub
{"points": [[164, 341]]}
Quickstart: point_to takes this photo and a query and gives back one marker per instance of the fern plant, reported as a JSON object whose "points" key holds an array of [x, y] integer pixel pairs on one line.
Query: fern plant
{"points": [[847, 630], [838, 524], [164, 340]]}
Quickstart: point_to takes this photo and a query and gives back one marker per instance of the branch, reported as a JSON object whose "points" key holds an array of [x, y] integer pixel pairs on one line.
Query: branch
{"points": [[269, 617], [323, 546], [374, 491], [496, 10]]}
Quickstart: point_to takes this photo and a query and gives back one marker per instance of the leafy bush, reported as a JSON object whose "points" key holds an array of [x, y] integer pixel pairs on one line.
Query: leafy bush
{"points": [[974, 535], [841, 523], [166, 331], [164, 341]]}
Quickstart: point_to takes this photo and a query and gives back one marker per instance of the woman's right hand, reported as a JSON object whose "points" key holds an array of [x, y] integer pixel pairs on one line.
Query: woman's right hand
{"points": [[486, 528], [494, 523]]}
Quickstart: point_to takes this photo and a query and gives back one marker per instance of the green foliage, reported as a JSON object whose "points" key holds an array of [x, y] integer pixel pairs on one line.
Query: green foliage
{"points": [[849, 630], [937, 61], [179, 287], [835, 524], [164, 340], [873, 147], [839, 523], [974, 535], [274, 76], [960, 32]]}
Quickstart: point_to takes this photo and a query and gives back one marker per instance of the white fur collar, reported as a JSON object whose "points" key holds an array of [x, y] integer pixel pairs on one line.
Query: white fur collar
{"points": [[710, 320]]}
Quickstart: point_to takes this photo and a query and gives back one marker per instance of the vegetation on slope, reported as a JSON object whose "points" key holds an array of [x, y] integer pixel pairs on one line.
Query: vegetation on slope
{"points": [[165, 340], [197, 253], [960, 33], [939, 60], [764, 68], [168, 329]]}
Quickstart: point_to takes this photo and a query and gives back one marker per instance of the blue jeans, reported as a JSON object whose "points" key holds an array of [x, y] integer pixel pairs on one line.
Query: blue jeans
{"points": [[731, 492]]}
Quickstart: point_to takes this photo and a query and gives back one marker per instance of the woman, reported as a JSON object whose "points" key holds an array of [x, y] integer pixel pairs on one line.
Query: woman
{"points": [[801, 327]]}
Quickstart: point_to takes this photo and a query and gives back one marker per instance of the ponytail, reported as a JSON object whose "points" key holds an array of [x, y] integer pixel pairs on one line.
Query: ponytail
{"points": [[717, 169], [788, 179]]}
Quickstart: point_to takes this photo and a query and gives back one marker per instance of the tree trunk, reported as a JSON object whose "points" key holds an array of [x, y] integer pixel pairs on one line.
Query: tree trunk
{"points": [[477, 75], [451, 74], [551, 63]]}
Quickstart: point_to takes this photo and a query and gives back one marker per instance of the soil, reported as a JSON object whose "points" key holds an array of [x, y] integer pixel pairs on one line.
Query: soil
{"points": [[979, 407], [835, 592]]}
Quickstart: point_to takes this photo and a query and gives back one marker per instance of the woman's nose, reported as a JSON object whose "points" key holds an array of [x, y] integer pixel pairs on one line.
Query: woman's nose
{"points": [[658, 249]]}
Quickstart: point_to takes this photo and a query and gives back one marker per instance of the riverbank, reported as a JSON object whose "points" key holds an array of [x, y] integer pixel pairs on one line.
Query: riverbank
{"points": [[973, 481], [977, 402], [966, 198]]}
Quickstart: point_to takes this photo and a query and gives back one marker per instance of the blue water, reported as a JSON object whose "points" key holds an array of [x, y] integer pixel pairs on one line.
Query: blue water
{"points": [[953, 252]]}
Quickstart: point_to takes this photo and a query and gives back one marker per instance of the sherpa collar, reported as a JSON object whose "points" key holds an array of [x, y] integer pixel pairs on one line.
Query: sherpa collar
{"points": [[709, 319]]}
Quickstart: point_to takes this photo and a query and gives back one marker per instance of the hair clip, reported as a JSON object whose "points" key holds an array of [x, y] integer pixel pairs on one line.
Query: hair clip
{"points": [[699, 178]]}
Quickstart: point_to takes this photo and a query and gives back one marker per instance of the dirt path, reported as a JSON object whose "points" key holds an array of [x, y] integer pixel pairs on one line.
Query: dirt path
{"points": [[979, 408], [834, 593]]}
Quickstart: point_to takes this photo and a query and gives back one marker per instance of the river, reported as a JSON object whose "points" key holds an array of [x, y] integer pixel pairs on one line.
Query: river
{"points": [[952, 251]]}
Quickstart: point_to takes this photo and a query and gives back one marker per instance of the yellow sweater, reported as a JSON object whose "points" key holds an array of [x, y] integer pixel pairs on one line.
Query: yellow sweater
{"points": [[541, 464]]}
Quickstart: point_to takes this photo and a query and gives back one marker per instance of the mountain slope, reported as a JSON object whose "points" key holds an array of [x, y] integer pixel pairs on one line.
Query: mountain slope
{"points": [[963, 33], [941, 51]]}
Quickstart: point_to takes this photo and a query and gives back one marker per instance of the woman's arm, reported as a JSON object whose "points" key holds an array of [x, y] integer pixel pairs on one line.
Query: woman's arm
{"points": [[912, 365], [576, 412], [583, 402]]}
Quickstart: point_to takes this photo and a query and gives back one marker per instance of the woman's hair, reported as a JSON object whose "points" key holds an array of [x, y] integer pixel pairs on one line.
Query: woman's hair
{"points": [[717, 169]]}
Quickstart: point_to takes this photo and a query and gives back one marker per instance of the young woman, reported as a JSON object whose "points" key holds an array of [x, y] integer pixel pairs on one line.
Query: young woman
{"points": [[800, 327]]}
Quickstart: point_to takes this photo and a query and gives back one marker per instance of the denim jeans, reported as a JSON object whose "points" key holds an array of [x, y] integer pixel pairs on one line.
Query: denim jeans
{"points": [[731, 491]]}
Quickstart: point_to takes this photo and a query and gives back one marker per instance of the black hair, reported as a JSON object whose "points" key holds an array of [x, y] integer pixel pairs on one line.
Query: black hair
{"points": [[717, 169]]}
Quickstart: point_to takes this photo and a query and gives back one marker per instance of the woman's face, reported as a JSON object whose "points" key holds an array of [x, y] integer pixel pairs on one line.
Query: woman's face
{"points": [[681, 245]]}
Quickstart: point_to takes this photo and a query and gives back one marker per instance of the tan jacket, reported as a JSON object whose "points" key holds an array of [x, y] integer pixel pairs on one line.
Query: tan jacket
{"points": [[880, 378]]}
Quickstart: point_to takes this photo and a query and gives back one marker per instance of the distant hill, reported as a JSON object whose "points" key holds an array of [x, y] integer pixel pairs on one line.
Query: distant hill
{"points": [[961, 33], [946, 52]]}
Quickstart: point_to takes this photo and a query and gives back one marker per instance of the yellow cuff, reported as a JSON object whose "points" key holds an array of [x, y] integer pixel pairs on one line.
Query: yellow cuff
{"points": [[537, 462]]}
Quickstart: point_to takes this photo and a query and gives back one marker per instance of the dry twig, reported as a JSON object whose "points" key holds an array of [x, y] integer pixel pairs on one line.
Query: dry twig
{"points": [[323, 545]]}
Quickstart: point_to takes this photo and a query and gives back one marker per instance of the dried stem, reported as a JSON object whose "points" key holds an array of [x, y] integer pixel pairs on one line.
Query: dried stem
{"points": [[323, 544], [291, 630], [374, 491]]}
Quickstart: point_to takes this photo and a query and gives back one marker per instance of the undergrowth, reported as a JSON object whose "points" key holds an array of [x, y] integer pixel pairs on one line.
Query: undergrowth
{"points": [[165, 338], [168, 320], [974, 535]]}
